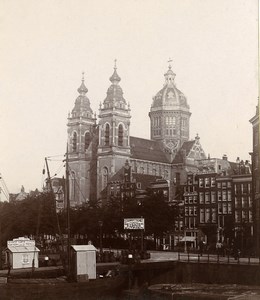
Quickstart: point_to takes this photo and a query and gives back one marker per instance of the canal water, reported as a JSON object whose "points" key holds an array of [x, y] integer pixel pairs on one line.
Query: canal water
{"points": [[203, 291]]}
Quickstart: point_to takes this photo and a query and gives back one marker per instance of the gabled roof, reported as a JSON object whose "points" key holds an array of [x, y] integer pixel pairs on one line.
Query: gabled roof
{"points": [[79, 248], [147, 150], [21, 249], [144, 179], [184, 150]]}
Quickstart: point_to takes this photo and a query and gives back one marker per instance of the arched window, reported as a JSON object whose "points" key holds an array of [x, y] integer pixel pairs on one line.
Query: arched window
{"points": [[74, 142], [104, 177], [87, 140], [107, 134], [120, 135]]}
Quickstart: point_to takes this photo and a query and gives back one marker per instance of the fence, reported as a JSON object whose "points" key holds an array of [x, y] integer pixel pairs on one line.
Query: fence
{"points": [[217, 258]]}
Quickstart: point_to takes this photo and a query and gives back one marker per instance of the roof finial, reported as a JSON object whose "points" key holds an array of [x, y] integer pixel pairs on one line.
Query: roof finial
{"points": [[82, 89], [115, 78], [169, 61]]}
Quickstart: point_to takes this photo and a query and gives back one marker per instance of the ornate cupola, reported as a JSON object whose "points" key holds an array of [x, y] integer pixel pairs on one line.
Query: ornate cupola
{"points": [[82, 107], [114, 98], [169, 115]]}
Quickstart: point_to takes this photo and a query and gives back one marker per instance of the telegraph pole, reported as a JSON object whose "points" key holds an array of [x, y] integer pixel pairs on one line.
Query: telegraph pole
{"points": [[68, 212]]}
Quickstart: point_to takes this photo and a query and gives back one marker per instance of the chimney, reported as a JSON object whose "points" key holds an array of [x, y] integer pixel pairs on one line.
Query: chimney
{"points": [[225, 157]]}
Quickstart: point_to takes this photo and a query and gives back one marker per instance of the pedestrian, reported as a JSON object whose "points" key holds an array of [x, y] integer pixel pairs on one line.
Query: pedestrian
{"points": [[201, 247], [219, 247]]}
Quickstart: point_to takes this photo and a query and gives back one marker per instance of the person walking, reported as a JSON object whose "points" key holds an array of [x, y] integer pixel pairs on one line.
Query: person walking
{"points": [[219, 247], [201, 247]]}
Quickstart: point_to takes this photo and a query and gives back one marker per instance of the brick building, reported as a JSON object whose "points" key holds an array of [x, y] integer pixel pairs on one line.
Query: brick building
{"points": [[98, 149]]}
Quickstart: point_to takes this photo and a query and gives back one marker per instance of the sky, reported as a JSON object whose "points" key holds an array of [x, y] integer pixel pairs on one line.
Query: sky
{"points": [[46, 45]]}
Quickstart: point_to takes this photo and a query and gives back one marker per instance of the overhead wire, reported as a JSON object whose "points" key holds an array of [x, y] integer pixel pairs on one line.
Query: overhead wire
{"points": [[85, 199]]}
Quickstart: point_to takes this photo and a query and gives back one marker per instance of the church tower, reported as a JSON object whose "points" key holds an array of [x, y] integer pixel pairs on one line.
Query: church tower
{"points": [[114, 124], [170, 115], [81, 129]]}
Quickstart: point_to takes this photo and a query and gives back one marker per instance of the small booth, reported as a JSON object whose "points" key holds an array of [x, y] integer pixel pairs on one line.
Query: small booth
{"points": [[22, 253], [83, 262]]}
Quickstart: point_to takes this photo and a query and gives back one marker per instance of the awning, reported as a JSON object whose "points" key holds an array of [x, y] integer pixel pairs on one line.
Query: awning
{"points": [[188, 239]]}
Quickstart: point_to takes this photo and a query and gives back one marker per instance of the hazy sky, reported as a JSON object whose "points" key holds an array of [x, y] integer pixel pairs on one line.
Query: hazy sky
{"points": [[46, 45]]}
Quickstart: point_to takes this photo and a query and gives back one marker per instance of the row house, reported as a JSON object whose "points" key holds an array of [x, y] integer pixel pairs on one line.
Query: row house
{"points": [[190, 205], [243, 210], [213, 208], [224, 204]]}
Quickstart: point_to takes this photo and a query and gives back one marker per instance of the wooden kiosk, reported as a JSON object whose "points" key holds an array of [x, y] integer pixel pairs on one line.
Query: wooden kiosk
{"points": [[22, 253], [83, 262]]}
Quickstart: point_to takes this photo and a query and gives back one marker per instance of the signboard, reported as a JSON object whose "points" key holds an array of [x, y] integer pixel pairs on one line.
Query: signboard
{"points": [[21, 242], [134, 223]]}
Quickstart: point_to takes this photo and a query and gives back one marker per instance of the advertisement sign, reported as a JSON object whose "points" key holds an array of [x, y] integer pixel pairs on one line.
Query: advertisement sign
{"points": [[134, 223], [21, 242]]}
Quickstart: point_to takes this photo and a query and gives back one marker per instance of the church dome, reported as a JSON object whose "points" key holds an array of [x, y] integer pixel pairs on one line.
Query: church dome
{"points": [[82, 104], [169, 96]]}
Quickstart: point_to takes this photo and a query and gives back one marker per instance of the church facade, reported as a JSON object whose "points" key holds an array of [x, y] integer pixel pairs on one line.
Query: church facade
{"points": [[99, 148]]}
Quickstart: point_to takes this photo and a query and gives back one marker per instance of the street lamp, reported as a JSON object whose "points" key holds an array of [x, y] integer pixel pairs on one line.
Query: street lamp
{"points": [[100, 223]]}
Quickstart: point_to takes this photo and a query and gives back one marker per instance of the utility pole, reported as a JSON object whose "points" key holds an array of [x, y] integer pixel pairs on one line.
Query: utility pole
{"points": [[52, 194], [0, 242], [68, 212]]}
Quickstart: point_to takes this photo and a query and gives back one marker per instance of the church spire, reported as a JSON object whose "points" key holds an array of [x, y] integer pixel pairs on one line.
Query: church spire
{"points": [[115, 79], [82, 89]]}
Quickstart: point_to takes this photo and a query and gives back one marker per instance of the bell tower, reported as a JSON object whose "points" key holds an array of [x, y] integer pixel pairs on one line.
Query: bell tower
{"points": [[81, 129], [114, 127]]}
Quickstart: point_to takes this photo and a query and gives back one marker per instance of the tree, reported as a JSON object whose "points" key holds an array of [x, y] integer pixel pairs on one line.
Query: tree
{"points": [[158, 214]]}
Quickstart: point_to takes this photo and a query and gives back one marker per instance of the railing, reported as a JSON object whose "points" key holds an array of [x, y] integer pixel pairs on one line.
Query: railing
{"points": [[217, 258]]}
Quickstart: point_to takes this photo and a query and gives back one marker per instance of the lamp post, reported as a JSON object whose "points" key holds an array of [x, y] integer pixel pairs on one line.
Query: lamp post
{"points": [[100, 235]]}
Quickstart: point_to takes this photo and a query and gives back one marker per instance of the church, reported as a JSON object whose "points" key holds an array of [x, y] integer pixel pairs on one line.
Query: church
{"points": [[98, 148]]}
